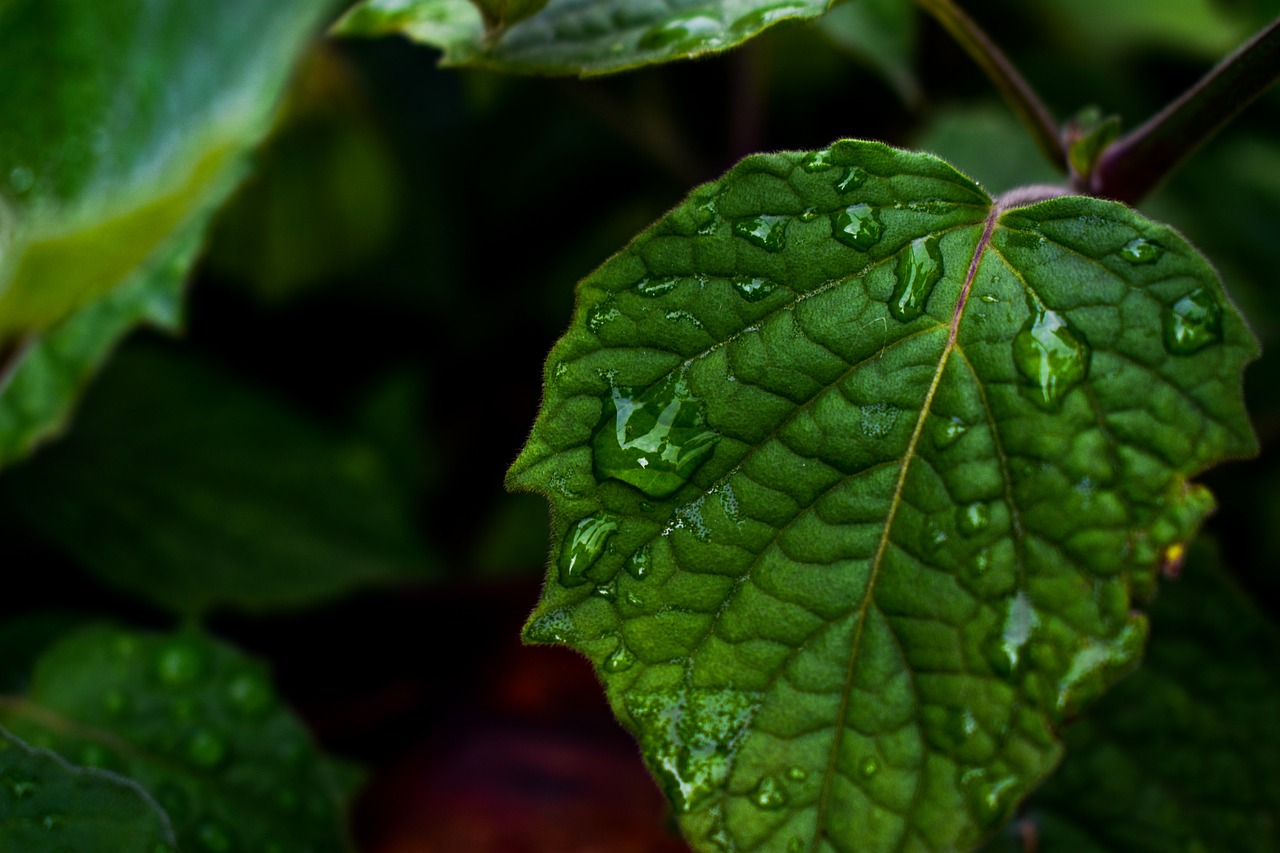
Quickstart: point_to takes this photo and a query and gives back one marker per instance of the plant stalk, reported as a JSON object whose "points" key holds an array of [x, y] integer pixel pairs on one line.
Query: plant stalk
{"points": [[1137, 163], [1016, 91]]}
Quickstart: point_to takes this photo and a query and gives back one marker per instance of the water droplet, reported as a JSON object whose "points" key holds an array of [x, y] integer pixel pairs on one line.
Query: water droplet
{"points": [[981, 563], [797, 773], [919, 270], [934, 537], [854, 177], [657, 286], [654, 441], [990, 299], [755, 21], [768, 794], [990, 800], [763, 231], [1141, 251], [214, 838], [583, 545], [878, 419], [638, 564], [180, 663], [1194, 322], [682, 33], [818, 161], [206, 750], [21, 179], [973, 519], [21, 788], [706, 218], [1020, 621], [948, 432], [620, 659], [858, 225], [1052, 355], [869, 766], [601, 314], [607, 591], [250, 693]]}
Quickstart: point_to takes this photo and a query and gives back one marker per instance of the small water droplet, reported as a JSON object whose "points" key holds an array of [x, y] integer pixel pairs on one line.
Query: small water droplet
{"points": [[763, 231], [1141, 251], [180, 663], [681, 33], [620, 659], [656, 286], [980, 564], [601, 314], [706, 218], [215, 838], [1192, 323], [638, 564], [869, 766], [858, 225], [206, 750], [768, 793], [990, 299], [583, 545], [809, 214], [934, 537], [654, 441], [973, 519], [818, 161], [1020, 621], [948, 432], [877, 419], [990, 800], [1052, 355], [21, 179], [919, 270], [797, 774], [607, 591], [250, 693], [854, 177]]}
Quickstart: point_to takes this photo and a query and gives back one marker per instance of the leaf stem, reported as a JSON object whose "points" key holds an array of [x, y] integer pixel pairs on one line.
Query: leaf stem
{"points": [[1016, 91], [1139, 161]]}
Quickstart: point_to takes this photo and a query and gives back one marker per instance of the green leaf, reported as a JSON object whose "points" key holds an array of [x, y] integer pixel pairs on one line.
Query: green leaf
{"points": [[883, 34], [124, 124], [933, 450], [584, 37], [1207, 28], [48, 804], [1182, 754], [195, 723], [195, 491]]}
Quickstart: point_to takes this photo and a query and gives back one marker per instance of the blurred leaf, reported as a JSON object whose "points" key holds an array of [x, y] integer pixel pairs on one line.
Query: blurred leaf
{"points": [[1205, 28], [583, 37], [856, 477], [195, 723], [883, 34], [47, 804], [987, 143], [195, 491], [124, 124], [1182, 755]]}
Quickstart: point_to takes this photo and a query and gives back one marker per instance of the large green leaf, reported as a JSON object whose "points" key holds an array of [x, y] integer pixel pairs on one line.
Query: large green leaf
{"points": [[856, 478], [48, 804], [1183, 754], [196, 724], [195, 491], [125, 123], [584, 37]]}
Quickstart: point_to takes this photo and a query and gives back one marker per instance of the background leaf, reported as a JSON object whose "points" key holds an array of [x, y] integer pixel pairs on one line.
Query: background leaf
{"points": [[583, 37], [856, 479], [48, 804], [195, 723]]}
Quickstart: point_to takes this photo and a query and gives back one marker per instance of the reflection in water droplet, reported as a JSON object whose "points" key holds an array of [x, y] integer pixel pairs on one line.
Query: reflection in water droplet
{"points": [[620, 659], [1052, 355], [990, 801], [682, 33], [934, 537], [1141, 251], [919, 270], [753, 289], [858, 225], [656, 286], [853, 177], [21, 179], [1193, 323], [607, 591], [1020, 621], [797, 773], [763, 231], [637, 565], [655, 440], [583, 545], [768, 794], [206, 750], [948, 432], [818, 161], [973, 519], [180, 663], [869, 766]]}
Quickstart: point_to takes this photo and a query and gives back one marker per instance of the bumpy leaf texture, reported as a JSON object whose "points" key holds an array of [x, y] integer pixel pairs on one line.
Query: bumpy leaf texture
{"points": [[584, 37], [856, 477]]}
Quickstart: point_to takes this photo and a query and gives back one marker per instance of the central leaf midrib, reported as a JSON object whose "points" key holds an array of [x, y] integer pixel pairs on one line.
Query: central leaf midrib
{"points": [[824, 797]]}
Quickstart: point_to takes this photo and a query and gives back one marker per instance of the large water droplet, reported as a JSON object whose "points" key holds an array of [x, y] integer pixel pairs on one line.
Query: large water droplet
{"points": [[1141, 251], [180, 663], [206, 750], [858, 225], [753, 289], [948, 432], [655, 286], [763, 231], [1053, 356], [620, 659], [638, 564], [854, 177], [1193, 323], [768, 793], [681, 33], [583, 545], [919, 270], [973, 519], [655, 440]]}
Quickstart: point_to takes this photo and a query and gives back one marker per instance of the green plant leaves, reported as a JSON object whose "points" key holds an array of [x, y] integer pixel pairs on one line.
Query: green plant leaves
{"points": [[197, 725], [932, 451], [584, 37], [48, 804]]}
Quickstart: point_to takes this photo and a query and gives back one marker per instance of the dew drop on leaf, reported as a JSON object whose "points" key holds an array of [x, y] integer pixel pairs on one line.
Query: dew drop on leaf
{"points": [[1141, 251], [948, 432], [620, 659], [869, 766], [1049, 353], [637, 565], [989, 800], [1192, 323], [858, 225], [250, 693], [768, 793], [180, 663], [653, 441], [1019, 622], [980, 563], [854, 177], [753, 289], [973, 519], [763, 231], [753, 22], [583, 545], [797, 774], [655, 286], [681, 33], [919, 270]]}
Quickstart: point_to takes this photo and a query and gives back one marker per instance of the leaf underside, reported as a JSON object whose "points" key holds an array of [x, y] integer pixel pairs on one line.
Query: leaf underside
{"points": [[856, 478], [583, 37]]}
